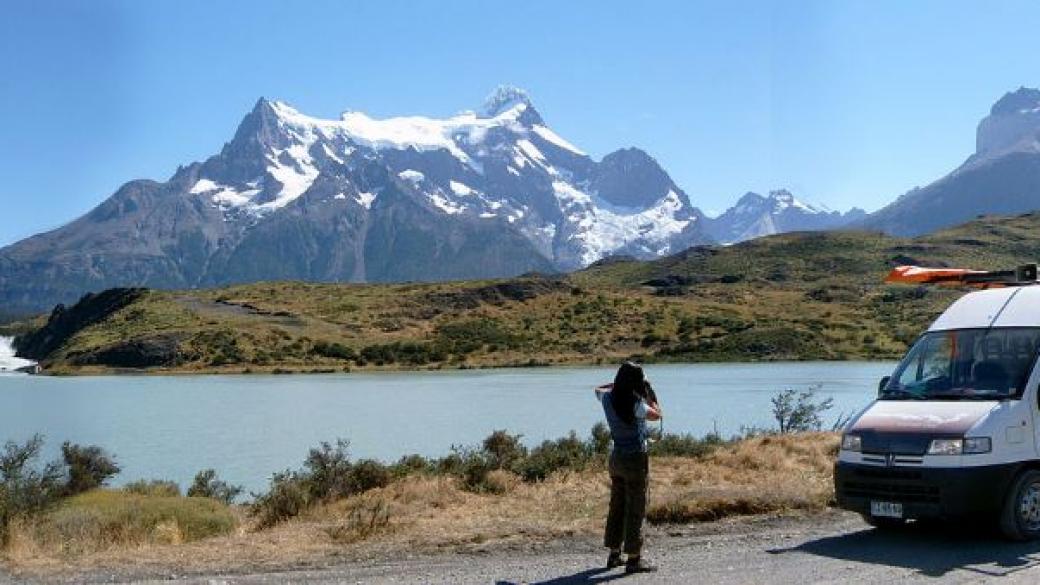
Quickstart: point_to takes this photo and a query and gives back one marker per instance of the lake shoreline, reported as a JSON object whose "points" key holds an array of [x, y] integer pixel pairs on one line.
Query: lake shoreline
{"points": [[311, 370]]}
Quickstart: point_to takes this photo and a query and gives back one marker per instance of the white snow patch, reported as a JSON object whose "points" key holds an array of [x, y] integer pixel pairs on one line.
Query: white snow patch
{"points": [[514, 171], [366, 199], [223, 194], [550, 136], [340, 196], [445, 205], [295, 177], [330, 154], [487, 215], [401, 133], [601, 228], [461, 189], [411, 175], [531, 150], [204, 186]]}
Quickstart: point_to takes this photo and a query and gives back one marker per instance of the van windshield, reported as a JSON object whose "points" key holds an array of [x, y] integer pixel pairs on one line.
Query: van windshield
{"points": [[966, 364]]}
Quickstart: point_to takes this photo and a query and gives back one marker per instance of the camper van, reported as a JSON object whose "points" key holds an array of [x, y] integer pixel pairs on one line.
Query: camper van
{"points": [[955, 430]]}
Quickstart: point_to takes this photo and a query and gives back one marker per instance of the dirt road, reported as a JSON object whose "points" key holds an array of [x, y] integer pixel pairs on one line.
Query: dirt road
{"points": [[834, 548]]}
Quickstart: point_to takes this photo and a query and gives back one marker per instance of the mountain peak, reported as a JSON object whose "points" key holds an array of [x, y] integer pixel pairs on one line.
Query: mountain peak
{"points": [[503, 99], [750, 198], [1018, 101]]}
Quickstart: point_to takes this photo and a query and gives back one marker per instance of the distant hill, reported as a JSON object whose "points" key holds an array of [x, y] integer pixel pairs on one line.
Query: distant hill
{"points": [[1002, 177], [803, 295]]}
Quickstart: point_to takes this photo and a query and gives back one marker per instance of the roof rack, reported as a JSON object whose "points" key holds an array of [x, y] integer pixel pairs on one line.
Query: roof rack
{"points": [[1022, 276]]}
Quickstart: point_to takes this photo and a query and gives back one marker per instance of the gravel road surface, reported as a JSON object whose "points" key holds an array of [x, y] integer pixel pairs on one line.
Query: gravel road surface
{"points": [[833, 548]]}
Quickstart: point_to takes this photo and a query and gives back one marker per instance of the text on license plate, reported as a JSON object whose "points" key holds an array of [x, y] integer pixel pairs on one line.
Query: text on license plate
{"points": [[886, 509]]}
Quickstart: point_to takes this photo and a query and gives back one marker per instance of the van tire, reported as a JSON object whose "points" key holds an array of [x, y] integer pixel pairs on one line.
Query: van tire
{"points": [[1022, 500], [884, 523]]}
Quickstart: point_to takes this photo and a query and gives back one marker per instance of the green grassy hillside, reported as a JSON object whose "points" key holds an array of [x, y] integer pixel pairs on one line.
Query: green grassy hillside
{"points": [[792, 296]]}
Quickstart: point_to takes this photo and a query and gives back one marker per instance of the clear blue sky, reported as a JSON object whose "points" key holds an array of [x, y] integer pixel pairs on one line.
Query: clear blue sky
{"points": [[846, 103]]}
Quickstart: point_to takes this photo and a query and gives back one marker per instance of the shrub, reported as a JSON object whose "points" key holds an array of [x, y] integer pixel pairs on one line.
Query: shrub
{"points": [[473, 466], [24, 488], [568, 453], [334, 350], [799, 411], [468, 336], [684, 445], [504, 450], [327, 475], [403, 352], [364, 520], [154, 487], [286, 498], [208, 485], [327, 472], [368, 474], [599, 440], [88, 468], [410, 464]]}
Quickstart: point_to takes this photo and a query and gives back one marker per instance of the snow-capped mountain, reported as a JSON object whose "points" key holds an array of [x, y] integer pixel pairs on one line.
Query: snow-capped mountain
{"points": [[1002, 176], [755, 216], [481, 194]]}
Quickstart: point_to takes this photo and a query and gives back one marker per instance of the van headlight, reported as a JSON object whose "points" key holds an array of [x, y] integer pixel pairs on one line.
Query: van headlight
{"points": [[851, 443], [968, 446]]}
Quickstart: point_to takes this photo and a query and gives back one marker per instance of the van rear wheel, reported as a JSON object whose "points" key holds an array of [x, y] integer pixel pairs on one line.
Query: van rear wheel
{"points": [[1020, 518]]}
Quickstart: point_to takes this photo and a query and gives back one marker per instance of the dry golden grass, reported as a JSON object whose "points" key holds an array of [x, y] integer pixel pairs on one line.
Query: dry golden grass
{"points": [[432, 513]]}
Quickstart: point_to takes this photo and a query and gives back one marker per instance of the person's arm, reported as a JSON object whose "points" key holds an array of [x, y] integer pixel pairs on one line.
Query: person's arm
{"points": [[601, 390], [653, 412]]}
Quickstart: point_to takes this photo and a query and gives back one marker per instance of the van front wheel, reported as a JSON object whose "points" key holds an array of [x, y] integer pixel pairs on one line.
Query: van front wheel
{"points": [[1020, 519]]}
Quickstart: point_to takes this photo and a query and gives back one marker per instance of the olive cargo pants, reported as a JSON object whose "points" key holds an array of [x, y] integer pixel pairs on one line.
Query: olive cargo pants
{"points": [[628, 482]]}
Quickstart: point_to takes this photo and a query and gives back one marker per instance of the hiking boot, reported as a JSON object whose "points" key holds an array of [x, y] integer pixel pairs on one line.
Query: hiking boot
{"points": [[638, 565], [614, 560]]}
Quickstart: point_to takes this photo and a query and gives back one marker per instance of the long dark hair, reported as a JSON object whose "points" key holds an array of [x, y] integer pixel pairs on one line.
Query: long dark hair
{"points": [[628, 389]]}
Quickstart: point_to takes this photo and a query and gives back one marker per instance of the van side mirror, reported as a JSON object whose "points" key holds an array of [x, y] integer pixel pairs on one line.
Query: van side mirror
{"points": [[881, 385]]}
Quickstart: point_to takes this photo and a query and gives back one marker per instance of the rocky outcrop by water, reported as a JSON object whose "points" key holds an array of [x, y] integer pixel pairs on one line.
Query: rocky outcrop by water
{"points": [[156, 351], [66, 322]]}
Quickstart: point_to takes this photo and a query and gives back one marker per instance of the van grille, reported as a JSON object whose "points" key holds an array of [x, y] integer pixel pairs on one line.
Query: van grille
{"points": [[899, 485]]}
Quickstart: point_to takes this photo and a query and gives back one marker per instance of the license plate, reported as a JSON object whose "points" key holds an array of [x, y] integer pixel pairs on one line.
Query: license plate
{"points": [[886, 509]]}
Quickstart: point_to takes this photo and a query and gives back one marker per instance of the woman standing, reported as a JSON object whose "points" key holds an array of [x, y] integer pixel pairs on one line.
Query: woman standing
{"points": [[628, 403]]}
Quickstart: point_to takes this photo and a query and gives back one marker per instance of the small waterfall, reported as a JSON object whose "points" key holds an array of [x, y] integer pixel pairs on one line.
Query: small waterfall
{"points": [[8, 362]]}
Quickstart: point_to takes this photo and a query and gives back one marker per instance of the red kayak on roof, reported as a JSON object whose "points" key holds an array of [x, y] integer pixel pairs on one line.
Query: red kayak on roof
{"points": [[963, 276]]}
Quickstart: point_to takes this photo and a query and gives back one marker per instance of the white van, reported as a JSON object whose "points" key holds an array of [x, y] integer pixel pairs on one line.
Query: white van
{"points": [[955, 431]]}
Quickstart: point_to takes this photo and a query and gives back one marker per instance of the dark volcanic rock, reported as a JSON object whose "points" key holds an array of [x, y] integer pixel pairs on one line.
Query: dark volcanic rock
{"points": [[497, 294], [160, 350], [64, 323]]}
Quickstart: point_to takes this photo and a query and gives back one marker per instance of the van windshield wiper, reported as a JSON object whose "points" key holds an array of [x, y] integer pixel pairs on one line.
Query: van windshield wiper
{"points": [[973, 394], [901, 394]]}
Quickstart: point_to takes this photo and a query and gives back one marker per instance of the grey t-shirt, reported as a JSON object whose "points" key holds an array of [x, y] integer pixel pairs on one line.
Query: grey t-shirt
{"points": [[628, 437]]}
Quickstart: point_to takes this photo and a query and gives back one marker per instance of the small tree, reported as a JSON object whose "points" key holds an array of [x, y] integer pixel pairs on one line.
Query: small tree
{"points": [[88, 468], [599, 439], [505, 450], [208, 485], [797, 412], [25, 489], [327, 471]]}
